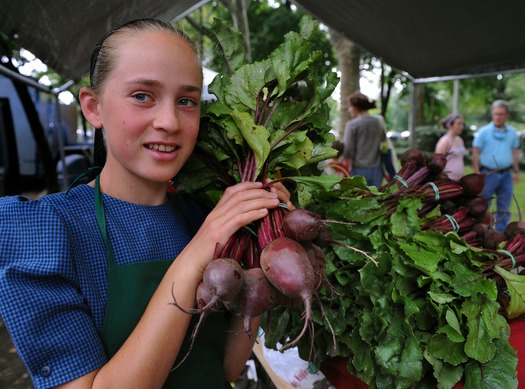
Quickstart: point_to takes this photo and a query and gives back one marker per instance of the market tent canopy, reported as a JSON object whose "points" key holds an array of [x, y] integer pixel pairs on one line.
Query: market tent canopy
{"points": [[63, 33], [430, 39], [423, 39]]}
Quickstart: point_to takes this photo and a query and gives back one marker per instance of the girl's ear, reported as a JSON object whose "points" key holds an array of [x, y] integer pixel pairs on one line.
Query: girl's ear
{"points": [[89, 103]]}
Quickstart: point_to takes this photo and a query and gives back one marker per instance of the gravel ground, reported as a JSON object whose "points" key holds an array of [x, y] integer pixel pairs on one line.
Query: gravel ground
{"points": [[13, 374]]}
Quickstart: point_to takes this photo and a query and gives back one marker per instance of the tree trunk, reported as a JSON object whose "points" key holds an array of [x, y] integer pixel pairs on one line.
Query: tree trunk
{"points": [[419, 105], [349, 58], [239, 12], [387, 83]]}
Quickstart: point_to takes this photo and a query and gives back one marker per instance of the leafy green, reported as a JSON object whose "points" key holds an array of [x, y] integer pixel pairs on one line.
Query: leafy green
{"points": [[426, 316], [270, 119]]}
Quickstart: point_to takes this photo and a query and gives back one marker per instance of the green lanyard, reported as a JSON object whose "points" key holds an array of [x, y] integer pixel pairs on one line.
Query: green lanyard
{"points": [[101, 219]]}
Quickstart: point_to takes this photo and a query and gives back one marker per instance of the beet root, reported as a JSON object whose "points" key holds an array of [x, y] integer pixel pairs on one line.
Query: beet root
{"points": [[413, 155], [436, 163], [256, 296], [286, 264], [303, 225], [472, 184], [492, 239], [204, 297], [222, 280], [477, 206], [513, 228]]}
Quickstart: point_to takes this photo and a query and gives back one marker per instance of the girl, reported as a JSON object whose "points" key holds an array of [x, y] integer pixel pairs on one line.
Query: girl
{"points": [[87, 276], [451, 144]]}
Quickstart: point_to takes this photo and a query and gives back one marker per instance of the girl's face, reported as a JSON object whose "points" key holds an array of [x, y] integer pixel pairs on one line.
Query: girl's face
{"points": [[457, 126], [150, 107]]}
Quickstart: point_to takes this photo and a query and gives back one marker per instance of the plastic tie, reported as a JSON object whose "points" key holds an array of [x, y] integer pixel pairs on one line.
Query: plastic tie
{"points": [[510, 256], [453, 221], [403, 182], [436, 190]]}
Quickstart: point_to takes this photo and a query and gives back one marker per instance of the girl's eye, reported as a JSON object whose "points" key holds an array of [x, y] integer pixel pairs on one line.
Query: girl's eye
{"points": [[140, 96], [187, 102]]}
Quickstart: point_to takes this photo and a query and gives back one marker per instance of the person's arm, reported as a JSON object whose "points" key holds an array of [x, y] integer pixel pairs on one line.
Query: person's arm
{"points": [[147, 356], [239, 347], [475, 159], [442, 146]]}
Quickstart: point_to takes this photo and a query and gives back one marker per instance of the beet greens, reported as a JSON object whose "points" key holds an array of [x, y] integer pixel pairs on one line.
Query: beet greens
{"points": [[427, 307]]}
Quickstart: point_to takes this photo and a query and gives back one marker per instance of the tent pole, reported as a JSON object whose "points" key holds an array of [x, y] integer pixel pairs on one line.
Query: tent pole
{"points": [[412, 112], [455, 99]]}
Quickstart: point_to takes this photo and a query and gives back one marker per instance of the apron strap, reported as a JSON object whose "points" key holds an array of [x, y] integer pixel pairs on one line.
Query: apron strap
{"points": [[101, 220]]}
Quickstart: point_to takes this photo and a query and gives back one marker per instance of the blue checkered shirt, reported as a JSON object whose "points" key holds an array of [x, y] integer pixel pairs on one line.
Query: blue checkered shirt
{"points": [[53, 273]]}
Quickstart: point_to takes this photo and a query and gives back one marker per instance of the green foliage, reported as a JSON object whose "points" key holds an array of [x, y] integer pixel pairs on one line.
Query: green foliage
{"points": [[426, 137], [270, 24], [270, 119], [424, 317]]}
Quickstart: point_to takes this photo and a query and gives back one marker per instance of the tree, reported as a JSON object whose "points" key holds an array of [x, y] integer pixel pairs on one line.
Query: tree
{"points": [[349, 57], [239, 13]]}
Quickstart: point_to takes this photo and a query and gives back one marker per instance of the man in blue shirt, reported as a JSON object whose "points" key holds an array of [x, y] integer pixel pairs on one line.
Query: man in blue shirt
{"points": [[495, 153]]}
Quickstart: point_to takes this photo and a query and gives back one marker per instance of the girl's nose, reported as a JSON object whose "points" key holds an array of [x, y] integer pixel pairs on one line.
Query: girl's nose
{"points": [[167, 118]]}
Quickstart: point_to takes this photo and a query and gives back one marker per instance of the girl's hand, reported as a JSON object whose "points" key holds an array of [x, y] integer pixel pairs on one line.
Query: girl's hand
{"points": [[239, 206], [282, 192]]}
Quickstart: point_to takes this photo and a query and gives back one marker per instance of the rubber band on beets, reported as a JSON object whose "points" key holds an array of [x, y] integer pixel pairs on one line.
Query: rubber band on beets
{"points": [[454, 222], [510, 256], [436, 190], [403, 182]]}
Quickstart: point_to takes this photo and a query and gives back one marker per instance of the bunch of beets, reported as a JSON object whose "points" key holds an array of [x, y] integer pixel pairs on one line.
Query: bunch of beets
{"points": [[462, 209]]}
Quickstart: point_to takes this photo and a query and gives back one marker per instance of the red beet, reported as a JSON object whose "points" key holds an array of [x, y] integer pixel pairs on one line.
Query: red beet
{"points": [[413, 155], [286, 264], [477, 206], [256, 296], [436, 163], [204, 297], [480, 229], [222, 279], [473, 184], [492, 239], [514, 228], [303, 225]]}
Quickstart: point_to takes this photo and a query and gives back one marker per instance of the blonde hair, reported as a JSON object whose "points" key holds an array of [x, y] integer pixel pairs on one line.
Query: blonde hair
{"points": [[103, 57]]}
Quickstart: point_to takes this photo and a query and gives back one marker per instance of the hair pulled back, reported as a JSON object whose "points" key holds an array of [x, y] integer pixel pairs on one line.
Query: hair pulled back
{"points": [[103, 57], [449, 120], [361, 101]]}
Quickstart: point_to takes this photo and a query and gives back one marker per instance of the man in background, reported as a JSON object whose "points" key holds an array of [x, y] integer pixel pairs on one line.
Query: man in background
{"points": [[495, 154]]}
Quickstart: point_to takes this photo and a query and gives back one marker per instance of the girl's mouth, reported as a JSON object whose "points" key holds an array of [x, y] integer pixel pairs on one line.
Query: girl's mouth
{"points": [[161, 148]]}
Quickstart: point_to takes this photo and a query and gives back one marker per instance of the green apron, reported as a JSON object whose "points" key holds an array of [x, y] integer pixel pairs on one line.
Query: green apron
{"points": [[129, 290]]}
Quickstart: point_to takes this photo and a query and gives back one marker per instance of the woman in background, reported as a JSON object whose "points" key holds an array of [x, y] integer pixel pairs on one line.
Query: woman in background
{"points": [[362, 138], [452, 146]]}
